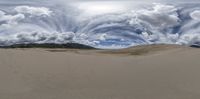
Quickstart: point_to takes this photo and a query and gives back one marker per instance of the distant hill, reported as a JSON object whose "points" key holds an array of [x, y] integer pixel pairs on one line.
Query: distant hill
{"points": [[195, 46], [50, 45]]}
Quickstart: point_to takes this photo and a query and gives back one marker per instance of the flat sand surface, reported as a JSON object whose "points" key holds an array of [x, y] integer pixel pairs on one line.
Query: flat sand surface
{"points": [[161, 73]]}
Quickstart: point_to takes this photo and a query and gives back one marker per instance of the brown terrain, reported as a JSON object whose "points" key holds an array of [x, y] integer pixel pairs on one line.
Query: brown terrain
{"points": [[143, 72]]}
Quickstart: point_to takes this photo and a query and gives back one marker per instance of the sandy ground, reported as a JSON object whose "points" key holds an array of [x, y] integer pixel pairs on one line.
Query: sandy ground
{"points": [[173, 73]]}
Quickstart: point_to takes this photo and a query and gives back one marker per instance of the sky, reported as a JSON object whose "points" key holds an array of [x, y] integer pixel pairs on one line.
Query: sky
{"points": [[100, 23], [103, 0]]}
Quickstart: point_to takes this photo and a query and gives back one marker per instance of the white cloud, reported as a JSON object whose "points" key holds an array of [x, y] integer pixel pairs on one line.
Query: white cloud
{"points": [[156, 23], [160, 16], [37, 37], [189, 38], [33, 11], [8, 20], [195, 15]]}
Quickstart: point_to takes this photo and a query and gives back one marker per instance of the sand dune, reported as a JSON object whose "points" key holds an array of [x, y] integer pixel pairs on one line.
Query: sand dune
{"points": [[144, 72]]}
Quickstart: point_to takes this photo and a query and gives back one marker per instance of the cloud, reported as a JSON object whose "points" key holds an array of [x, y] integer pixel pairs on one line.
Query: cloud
{"points": [[145, 25], [33, 11], [21, 19], [36, 37], [160, 16], [195, 15], [8, 20], [189, 38]]}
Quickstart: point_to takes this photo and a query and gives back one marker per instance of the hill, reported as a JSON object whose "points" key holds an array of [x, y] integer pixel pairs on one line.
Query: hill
{"points": [[50, 45]]}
